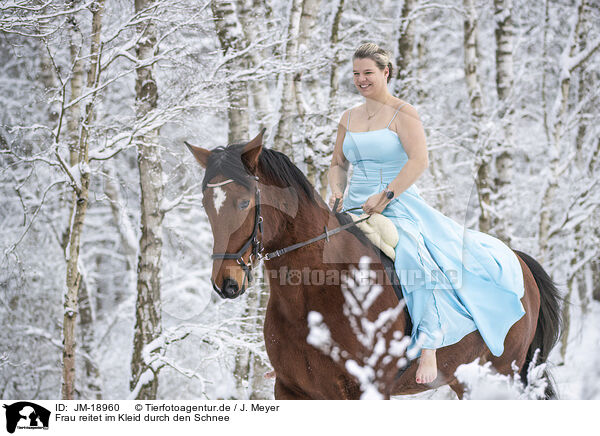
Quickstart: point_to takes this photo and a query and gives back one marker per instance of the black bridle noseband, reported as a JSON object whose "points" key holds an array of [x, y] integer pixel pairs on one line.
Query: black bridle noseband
{"points": [[257, 247]]}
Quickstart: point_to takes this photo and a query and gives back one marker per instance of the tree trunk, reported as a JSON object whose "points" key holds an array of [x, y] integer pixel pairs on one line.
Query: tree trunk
{"points": [[231, 38], [93, 380], [584, 149], [283, 136], [475, 101], [125, 228], [566, 319], [595, 273], [77, 74], [544, 87], [263, 111], [308, 19], [310, 10], [557, 117], [406, 42], [504, 86], [247, 364], [148, 323], [334, 84], [78, 212], [504, 50], [334, 76]]}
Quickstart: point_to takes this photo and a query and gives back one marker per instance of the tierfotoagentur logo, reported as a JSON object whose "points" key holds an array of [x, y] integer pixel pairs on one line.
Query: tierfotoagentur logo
{"points": [[26, 415], [415, 278]]}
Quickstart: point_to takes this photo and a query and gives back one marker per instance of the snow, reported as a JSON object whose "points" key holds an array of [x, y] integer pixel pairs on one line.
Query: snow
{"points": [[319, 335], [483, 383], [578, 376], [203, 336]]}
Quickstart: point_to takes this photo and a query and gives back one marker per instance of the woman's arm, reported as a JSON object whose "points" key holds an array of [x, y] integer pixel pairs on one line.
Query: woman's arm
{"points": [[409, 129], [338, 169]]}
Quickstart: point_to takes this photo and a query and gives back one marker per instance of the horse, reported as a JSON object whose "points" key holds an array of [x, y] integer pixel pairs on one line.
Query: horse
{"points": [[258, 201]]}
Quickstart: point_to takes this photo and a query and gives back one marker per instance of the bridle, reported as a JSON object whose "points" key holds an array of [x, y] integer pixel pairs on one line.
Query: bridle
{"points": [[257, 246], [253, 240]]}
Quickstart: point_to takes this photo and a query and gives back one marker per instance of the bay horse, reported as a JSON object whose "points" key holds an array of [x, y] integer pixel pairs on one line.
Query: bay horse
{"points": [[257, 200]]}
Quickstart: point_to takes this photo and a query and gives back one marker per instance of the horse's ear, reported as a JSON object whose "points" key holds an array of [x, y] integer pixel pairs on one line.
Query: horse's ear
{"points": [[201, 154], [252, 150]]}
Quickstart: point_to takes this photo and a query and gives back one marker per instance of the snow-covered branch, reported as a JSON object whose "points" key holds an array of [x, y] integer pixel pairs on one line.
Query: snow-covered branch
{"points": [[378, 349], [482, 382]]}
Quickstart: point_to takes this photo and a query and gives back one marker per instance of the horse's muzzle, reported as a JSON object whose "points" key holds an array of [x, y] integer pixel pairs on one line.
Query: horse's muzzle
{"points": [[230, 289]]}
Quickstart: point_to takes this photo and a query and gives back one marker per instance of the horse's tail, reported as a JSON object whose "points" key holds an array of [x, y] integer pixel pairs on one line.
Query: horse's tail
{"points": [[549, 324]]}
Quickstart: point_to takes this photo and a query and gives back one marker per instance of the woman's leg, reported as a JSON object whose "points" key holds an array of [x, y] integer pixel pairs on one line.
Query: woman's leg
{"points": [[427, 370], [430, 330]]}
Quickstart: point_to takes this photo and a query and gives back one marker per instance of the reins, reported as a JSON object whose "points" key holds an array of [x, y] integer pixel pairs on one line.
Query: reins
{"points": [[257, 246], [324, 235]]}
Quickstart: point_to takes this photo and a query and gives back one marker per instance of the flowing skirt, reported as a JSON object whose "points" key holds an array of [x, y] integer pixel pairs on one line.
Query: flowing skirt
{"points": [[454, 280]]}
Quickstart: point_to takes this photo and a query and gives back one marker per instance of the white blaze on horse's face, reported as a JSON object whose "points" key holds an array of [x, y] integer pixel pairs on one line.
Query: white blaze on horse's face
{"points": [[219, 196]]}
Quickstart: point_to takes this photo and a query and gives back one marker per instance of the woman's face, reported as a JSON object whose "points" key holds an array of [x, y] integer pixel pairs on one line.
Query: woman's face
{"points": [[368, 79]]}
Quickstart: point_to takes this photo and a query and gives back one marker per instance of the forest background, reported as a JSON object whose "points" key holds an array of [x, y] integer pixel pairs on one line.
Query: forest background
{"points": [[105, 249]]}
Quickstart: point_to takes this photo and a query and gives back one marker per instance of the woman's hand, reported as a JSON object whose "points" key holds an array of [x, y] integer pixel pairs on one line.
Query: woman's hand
{"points": [[376, 203], [332, 199]]}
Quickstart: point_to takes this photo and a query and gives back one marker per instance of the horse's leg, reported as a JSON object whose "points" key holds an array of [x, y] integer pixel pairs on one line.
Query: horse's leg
{"points": [[349, 389], [282, 392], [458, 388], [449, 358]]}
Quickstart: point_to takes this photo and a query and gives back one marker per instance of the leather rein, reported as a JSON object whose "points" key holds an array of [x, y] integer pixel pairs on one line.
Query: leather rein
{"points": [[257, 246]]}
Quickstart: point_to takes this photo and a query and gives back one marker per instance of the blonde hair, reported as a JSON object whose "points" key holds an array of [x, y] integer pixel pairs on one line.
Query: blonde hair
{"points": [[381, 57]]}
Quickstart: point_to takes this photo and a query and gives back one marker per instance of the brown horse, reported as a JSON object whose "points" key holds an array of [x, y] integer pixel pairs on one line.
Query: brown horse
{"points": [[252, 196]]}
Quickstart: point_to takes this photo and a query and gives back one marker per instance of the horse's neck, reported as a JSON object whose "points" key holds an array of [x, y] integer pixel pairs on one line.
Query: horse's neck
{"points": [[284, 225], [288, 218], [310, 278]]}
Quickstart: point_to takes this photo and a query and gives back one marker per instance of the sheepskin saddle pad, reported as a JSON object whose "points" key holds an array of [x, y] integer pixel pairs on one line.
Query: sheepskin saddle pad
{"points": [[381, 231]]}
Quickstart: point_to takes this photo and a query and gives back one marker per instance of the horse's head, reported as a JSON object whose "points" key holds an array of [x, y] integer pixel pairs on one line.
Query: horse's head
{"points": [[231, 200]]}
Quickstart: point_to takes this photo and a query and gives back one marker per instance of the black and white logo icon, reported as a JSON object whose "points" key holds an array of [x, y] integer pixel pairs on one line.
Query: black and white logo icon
{"points": [[26, 415]]}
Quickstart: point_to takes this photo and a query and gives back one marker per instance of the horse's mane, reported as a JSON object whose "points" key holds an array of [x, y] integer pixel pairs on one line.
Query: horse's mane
{"points": [[274, 166]]}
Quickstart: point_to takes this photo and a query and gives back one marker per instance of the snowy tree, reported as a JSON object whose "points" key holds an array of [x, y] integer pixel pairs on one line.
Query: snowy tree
{"points": [[514, 150], [377, 352]]}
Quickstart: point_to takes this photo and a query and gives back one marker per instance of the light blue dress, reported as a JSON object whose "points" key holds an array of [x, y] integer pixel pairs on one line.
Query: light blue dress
{"points": [[454, 280]]}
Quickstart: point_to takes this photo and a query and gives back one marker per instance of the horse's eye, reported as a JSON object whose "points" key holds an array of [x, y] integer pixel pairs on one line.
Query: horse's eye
{"points": [[244, 204]]}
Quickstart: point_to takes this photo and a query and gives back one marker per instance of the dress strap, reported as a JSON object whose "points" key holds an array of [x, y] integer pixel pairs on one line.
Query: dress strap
{"points": [[395, 113], [348, 123]]}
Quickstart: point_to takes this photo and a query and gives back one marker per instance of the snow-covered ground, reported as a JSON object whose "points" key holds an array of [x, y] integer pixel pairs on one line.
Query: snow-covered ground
{"points": [[577, 378]]}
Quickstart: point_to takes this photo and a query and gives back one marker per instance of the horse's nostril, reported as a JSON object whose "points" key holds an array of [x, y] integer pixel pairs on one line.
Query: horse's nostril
{"points": [[230, 288]]}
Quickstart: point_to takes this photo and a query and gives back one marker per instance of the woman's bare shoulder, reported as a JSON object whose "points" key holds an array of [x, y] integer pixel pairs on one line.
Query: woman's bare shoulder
{"points": [[398, 103], [405, 108], [406, 118], [346, 114]]}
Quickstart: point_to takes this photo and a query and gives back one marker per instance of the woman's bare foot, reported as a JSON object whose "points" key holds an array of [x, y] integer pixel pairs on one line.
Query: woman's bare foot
{"points": [[427, 370]]}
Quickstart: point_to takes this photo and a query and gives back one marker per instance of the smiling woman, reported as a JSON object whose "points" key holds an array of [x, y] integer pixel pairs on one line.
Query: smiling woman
{"points": [[455, 281]]}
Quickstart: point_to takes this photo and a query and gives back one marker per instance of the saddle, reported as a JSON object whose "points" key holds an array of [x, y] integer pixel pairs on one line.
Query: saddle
{"points": [[381, 231]]}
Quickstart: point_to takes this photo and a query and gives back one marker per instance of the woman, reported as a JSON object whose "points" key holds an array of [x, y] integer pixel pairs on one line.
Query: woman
{"points": [[454, 280]]}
